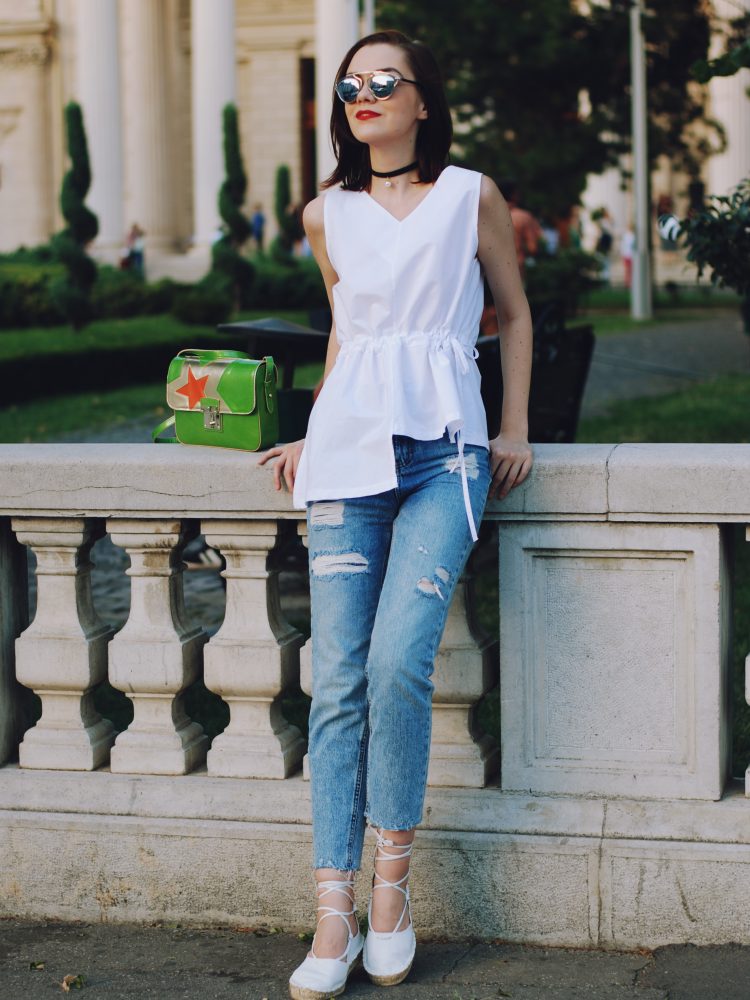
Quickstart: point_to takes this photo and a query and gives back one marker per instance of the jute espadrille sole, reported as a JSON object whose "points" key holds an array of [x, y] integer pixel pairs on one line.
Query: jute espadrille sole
{"points": [[391, 980], [305, 993]]}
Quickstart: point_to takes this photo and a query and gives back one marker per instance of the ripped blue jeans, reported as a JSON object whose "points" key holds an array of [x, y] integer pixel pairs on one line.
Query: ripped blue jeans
{"points": [[383, 569]]}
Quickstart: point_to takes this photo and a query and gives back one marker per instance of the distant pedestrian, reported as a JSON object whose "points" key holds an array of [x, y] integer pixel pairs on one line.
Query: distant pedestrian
{"points": [[136, 247], [604, 241], [627, 248], [258, 225], [551, 237]]}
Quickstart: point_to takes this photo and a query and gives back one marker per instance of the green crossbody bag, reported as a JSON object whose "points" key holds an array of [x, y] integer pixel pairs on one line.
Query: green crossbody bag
{"points": [[222, 398]]}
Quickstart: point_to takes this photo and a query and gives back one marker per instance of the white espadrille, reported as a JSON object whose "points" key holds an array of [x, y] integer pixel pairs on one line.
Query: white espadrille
{"points": [[321, 978], [388, 955]]}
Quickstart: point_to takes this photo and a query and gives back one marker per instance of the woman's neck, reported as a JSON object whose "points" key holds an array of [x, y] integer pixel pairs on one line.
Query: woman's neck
{"points": [[385, 158]]}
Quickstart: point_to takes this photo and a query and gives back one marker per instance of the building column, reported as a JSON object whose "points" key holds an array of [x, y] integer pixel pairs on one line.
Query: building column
{"points": [[213, 86], [98, 92], [148, 189], [730, 105], [336, 30]]}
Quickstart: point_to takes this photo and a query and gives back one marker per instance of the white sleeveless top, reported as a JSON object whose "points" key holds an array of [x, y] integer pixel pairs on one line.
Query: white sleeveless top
{"points": [[407, 307]]}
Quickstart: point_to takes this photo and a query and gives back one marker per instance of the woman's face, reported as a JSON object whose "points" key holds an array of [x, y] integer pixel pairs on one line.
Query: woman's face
{"points": [[380, 122]]}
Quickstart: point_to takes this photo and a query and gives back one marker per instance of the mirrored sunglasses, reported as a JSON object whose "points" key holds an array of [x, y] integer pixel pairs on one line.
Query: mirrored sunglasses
{"points": [[381, 85]]}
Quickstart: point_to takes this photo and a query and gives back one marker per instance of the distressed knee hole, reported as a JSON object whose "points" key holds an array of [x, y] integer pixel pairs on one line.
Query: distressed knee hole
{"points": [[330, 513], [331, 564], [471, 462], [431, 587]]}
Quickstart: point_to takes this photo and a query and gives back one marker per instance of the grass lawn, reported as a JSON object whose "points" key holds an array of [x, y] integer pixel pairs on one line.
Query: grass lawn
{"points": [[136, 332], [42, 419], [608, 323], [711, 412]]}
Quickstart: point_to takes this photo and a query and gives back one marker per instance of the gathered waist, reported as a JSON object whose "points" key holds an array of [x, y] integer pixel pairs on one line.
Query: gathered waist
{"points": [[442, 342]]}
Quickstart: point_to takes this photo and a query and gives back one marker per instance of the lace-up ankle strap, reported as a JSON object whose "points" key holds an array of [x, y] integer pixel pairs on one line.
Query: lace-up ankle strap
{"points": [[383, 842], [335, 885]]}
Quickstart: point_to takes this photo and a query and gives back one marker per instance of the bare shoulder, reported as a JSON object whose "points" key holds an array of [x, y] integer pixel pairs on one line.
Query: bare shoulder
{"points": [[491, 202], [312, 216]]}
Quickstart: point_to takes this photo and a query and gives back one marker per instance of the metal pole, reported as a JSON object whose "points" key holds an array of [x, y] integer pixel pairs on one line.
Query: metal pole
{"points": [[640, 292]]}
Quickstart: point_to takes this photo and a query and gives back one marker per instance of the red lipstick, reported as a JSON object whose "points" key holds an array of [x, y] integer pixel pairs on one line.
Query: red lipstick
{"points": [[365, 113]]}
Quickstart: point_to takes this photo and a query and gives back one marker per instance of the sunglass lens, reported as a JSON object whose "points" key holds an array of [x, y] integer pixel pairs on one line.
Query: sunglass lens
{"points": [[348, 88], [382, 84]]}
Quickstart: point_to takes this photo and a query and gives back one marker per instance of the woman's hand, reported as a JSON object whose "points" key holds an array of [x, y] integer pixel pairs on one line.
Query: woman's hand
{"points": [[510, 463], [287, 463]]}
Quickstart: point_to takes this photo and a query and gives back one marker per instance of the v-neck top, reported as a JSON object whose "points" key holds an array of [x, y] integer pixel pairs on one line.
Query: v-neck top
{"points": [[407, 307]]}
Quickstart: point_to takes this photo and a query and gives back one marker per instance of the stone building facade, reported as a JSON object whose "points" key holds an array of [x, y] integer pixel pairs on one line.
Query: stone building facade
{"points": [[152, 77]]}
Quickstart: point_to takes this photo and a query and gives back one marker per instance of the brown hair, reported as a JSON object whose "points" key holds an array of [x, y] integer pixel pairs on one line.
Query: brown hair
{"points": [[435, 133]]}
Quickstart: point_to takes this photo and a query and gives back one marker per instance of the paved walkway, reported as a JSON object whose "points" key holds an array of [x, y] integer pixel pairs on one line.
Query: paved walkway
{"points": [[120, 962], [664, 358]]}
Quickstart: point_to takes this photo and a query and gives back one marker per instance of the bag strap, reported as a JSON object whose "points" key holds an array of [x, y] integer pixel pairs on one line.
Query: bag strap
{"points": [[269, 382], [169, 422]]}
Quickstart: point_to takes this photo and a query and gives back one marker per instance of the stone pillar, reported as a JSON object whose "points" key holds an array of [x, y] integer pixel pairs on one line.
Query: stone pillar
{"points": [[98, 91], [465, 668], [156, 656], [27, 197], [252, 658], [62, 656], [305, 657], [213, 86], [13, 618], [730, 105], [148, 187], [336, 30]]}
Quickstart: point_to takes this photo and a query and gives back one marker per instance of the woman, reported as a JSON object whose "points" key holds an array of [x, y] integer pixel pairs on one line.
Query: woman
{"points": [[394, 472]]}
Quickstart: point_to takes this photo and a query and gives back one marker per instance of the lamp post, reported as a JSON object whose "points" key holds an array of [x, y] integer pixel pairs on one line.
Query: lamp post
{"points": [[640, 290]]}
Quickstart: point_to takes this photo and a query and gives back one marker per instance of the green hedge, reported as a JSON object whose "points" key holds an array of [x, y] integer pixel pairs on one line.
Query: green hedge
{"points": [[26, 275]]}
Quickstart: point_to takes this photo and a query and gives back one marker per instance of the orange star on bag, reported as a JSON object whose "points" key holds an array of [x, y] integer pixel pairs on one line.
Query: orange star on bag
{"points": [[194, 389]]}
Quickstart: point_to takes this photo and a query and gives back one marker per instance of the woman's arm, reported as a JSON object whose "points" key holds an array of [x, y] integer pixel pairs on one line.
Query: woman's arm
{"points": [[288, 455], [510, 454], [312, 220]]}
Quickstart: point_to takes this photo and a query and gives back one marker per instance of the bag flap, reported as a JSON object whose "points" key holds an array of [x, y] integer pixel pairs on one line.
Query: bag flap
{"points": [[196, 379]]}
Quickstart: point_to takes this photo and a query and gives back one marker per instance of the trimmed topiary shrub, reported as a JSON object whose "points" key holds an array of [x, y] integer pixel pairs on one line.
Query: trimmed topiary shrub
{"points": [[225, 253], [290, 228], [71, 293]]}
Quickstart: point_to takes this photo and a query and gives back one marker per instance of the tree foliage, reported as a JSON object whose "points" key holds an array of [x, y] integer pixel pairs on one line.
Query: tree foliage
{"points": [[72, 292], [540, 89]]}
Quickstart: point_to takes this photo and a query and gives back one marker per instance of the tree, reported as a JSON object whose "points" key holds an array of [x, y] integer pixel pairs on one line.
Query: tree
{"points": [[289, 223], [226, 258], [72, 292], [540, 89]]}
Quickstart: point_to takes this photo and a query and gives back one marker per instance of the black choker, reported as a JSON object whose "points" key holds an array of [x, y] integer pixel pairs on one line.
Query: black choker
{"points": [[394, 173]]}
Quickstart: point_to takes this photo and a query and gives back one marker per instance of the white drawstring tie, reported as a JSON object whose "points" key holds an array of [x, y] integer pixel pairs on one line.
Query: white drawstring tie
{"points": [[460, 462]]}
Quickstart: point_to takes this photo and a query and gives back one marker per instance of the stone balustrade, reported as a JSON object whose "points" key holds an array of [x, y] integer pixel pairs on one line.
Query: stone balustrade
{"points": [[608, 816]]}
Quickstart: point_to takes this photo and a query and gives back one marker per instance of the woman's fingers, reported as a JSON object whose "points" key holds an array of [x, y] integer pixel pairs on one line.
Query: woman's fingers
{"points": [[265, 455], [510, 471]]}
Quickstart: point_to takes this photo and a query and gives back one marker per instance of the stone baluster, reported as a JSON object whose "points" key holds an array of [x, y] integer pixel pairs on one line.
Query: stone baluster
{"points": [[157, 655], [465, 668], [252, 658], [62, 655], [305, 657], [14, 615]]}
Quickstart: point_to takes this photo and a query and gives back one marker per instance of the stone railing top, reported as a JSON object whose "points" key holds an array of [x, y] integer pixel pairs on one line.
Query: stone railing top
{"points": [[605, 481]]}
